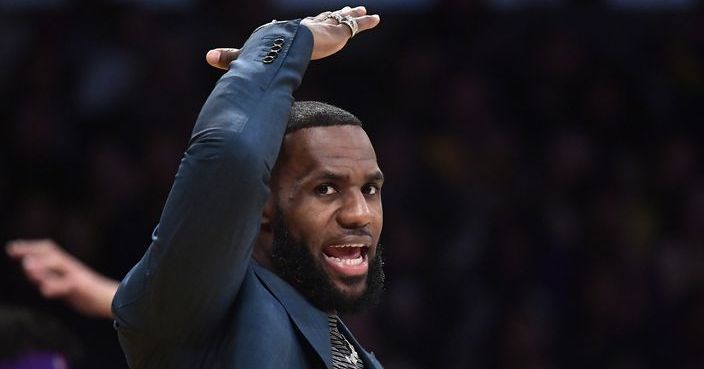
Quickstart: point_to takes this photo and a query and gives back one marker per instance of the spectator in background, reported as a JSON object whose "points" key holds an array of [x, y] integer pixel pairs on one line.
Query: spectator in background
{"points": [[30, 340]]}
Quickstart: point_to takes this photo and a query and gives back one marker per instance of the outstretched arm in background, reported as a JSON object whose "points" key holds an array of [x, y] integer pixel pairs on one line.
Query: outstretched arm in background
{"points": [[58, 275]]}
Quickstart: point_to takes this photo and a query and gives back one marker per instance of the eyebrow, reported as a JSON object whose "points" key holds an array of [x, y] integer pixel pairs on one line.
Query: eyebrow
{"points": [[376, 176]]}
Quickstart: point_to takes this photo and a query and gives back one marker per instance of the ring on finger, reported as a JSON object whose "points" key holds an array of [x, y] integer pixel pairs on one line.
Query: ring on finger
{"points": [[352, 23], [322, 16], [334, 15], [346, 20]]}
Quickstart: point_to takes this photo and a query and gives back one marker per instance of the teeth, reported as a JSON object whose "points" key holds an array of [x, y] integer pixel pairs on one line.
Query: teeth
{"points": [[355, 261], [350, 245]]}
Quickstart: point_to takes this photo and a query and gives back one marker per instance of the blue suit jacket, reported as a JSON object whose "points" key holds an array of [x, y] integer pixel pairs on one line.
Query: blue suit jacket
{"points": [[196, 299]]}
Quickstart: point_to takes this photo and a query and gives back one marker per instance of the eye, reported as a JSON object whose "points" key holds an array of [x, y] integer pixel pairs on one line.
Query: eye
{"points": [[370, 189], [325, 189]]}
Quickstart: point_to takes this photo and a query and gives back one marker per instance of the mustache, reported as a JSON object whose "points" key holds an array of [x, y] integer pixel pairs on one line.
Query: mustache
{"points": [[356, 232]]}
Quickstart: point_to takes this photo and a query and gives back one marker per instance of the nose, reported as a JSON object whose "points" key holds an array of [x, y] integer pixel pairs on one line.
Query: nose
{"points": [[355, 211]]}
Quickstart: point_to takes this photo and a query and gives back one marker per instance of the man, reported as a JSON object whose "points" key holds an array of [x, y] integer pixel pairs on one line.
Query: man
{"points": [[31, 340], [257, 251]]}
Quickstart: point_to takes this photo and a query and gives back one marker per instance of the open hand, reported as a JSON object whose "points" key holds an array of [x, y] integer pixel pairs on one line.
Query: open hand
{"points": [[59, 275], [329, 36]]}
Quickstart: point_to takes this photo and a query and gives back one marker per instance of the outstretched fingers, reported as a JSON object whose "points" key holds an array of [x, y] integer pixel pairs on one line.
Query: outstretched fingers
{"points": [[354, 12], [359, 15], [21, 249], [367, 22]]}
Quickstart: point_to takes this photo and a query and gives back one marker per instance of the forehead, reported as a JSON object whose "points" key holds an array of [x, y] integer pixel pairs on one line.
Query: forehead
{"points": [[339, 148]]}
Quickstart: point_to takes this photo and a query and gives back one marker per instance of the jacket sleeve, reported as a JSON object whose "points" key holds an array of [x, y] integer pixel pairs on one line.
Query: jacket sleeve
{"points": [[186, 282]]}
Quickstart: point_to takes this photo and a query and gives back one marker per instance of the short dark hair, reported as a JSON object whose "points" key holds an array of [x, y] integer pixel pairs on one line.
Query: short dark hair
{"points": [[306, 114]]}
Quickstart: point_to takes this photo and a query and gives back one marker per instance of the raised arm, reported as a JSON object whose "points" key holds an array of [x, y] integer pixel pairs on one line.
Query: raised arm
{"points": [[200, 248], [189, 277]]}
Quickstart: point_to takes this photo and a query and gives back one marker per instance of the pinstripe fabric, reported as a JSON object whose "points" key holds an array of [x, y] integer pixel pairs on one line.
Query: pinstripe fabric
{"points": [[344, 355]]}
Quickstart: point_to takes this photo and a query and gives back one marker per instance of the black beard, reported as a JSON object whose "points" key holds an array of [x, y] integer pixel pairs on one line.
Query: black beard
{"points": [[295, 264]]}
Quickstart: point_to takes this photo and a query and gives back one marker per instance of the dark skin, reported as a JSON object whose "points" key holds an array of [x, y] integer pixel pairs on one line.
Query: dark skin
{"points": [[326, 184], [58, 275]]}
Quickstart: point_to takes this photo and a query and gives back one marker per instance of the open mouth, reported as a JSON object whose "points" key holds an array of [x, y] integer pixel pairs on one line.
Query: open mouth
{"points": [[347, 259]]}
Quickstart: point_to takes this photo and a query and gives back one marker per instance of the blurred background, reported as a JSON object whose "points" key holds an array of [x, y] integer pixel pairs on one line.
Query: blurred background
{"points": [[544, 203]]}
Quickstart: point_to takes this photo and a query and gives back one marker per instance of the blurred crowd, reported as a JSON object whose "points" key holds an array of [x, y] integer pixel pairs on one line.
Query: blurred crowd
{"points": [[544, 203]]}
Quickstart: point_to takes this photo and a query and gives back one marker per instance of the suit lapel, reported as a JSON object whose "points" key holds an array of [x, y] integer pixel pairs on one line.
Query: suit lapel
{"points": [[311, 322]]}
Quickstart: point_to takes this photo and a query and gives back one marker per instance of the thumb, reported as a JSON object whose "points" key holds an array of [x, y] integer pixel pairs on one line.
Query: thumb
{"points": [[55, 288], [222, 57]]}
